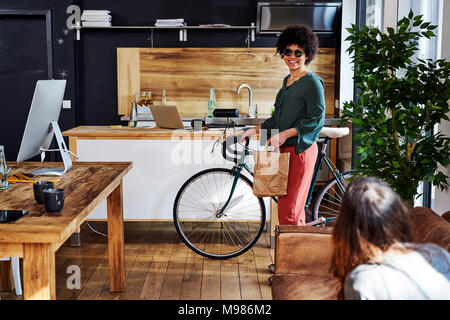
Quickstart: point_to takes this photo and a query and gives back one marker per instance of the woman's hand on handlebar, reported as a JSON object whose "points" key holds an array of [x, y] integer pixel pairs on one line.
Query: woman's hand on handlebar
{"points": [[247, 133]]}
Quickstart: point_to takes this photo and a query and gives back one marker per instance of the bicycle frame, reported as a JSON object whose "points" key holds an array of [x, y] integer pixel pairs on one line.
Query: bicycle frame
{"points": [[237, 169], [323, 157]]}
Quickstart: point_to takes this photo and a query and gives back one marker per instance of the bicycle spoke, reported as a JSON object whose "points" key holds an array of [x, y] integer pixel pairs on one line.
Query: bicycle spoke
{"points": [[327, 210], [329, 199], [336, 193], [195, 201], [236, 235], [336, 202], [208, 194], [231, 237], [335, 211], [239, 228]]}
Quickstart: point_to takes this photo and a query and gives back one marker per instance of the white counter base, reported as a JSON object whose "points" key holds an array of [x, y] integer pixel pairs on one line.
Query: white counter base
{"points": [[160, 167]]}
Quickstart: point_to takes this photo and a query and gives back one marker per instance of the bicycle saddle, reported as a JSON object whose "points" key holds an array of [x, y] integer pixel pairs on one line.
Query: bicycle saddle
{"points": [[334, 132]]}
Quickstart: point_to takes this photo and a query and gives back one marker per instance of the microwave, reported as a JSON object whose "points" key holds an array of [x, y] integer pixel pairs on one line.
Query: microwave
{"points": [[274, 17]]}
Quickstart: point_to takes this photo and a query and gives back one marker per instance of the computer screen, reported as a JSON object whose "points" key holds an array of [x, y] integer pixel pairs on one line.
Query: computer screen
{"points": [[45, 109]]}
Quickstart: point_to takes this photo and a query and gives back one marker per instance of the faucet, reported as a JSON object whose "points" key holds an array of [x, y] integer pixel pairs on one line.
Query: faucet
{"points": [[250, 97]]}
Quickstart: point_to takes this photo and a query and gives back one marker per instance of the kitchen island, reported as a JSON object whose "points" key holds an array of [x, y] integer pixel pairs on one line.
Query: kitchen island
{"points": [[163, 159]]}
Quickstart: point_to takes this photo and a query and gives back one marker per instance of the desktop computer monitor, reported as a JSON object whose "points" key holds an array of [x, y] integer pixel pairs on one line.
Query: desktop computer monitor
{"points": [[42, 125]]}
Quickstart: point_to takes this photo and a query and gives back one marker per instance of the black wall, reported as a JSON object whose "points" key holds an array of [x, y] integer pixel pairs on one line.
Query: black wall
{"points": [[97, 49], [90, 63], [15, 74], [96, 52]]}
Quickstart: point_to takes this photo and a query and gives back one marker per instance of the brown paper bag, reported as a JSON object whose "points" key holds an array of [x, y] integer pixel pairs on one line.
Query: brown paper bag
{"points": [[270, 174]]}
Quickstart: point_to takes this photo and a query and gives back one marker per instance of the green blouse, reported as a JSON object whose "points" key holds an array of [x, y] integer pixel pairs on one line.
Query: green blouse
{"points": [[300, 106]]}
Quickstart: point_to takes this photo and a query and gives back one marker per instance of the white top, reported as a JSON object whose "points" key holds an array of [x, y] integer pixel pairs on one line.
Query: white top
{"points": [[422, 274]]}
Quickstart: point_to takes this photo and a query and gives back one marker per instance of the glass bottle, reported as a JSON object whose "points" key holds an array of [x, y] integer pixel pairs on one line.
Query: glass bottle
{"points": [[3, 170], [163, 98], [211, 102], [133, 113]]}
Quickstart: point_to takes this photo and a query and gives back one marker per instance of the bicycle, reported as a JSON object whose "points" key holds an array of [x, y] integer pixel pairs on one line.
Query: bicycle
{"points": [[217, 215]]}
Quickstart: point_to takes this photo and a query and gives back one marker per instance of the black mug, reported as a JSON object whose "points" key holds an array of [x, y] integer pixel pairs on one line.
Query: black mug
{"points": [[197, 124], [39, 187], [54, 199]]}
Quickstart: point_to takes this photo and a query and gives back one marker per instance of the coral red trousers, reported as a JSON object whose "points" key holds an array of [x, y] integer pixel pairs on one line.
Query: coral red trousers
{"points": [[291, 207]]}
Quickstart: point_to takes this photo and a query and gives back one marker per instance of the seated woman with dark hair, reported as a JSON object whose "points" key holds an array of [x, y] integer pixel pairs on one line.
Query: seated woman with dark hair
{"points": [[374, 257]]}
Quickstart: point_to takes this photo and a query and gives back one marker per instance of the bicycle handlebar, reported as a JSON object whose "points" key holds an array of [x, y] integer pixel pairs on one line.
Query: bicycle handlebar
{"points": [[226, 146]]}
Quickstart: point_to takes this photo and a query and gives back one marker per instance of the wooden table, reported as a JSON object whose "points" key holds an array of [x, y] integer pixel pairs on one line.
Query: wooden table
{"points": [[36, 236]]}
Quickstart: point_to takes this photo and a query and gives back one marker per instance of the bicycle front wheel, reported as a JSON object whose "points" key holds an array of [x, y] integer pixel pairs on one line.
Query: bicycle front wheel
{"points": [[204, 229], [329, 199]]}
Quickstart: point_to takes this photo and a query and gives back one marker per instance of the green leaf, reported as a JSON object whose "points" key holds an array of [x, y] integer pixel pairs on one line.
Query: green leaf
{"points": [[379, 141], [363, 156]]}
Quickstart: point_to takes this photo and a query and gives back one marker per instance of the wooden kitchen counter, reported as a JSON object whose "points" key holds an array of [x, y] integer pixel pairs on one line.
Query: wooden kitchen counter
{"points": [[106, 132]]}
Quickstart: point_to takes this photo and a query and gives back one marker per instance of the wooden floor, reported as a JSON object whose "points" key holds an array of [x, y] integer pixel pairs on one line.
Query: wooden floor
{"points": [[161, 267]]}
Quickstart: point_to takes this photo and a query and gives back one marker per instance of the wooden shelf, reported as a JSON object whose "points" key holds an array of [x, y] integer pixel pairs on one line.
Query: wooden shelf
{"points": [[182, 30], [172, 28]]}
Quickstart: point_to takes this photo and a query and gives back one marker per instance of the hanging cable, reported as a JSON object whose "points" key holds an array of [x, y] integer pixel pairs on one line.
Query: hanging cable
{"points": [[98, 232]]}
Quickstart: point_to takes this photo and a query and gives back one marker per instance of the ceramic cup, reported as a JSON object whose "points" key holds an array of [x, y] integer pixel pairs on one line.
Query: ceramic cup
{"points": [[39, 187], [54, 199], [197, 124]]}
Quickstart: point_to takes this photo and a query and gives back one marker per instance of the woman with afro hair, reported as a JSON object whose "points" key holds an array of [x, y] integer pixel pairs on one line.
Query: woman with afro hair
{"points": [[297, 120]]}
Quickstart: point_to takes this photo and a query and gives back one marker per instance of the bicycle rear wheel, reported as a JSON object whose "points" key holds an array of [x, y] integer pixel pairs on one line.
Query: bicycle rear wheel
{"points": [[218, 236], [329, 199]]}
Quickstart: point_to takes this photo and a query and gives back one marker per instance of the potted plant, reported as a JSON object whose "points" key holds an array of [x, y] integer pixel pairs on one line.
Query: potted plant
{"points": [[401, 99]]}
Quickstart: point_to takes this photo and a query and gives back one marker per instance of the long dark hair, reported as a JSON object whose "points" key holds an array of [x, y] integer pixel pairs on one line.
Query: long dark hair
{"points": [[372, 218]]}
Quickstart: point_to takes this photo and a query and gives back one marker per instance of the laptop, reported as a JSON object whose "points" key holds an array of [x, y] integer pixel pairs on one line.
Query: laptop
{"points": [[167, 117]]}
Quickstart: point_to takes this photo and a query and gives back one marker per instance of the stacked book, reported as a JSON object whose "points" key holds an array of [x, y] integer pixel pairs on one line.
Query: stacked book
{"points": [[169, 22], [96, 18]]}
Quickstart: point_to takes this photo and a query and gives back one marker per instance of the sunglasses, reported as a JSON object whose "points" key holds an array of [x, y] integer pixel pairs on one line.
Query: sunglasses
{"points": [[288, 52]]}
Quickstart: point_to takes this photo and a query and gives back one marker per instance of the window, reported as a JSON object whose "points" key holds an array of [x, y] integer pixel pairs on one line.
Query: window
{"points": [[430, 11], [427, 50], [374, 13]]}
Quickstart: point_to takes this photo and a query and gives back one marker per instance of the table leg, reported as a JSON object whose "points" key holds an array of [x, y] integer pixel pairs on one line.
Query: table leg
{"points": [[116, 240], [38, 272], [75, 239]]}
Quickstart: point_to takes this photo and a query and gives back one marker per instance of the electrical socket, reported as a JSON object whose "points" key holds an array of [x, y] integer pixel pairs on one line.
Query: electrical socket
{"points": [[66, 104]]}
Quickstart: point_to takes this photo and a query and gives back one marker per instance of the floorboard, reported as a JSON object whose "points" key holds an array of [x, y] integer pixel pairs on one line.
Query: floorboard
{"points": [[159, 266]]}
